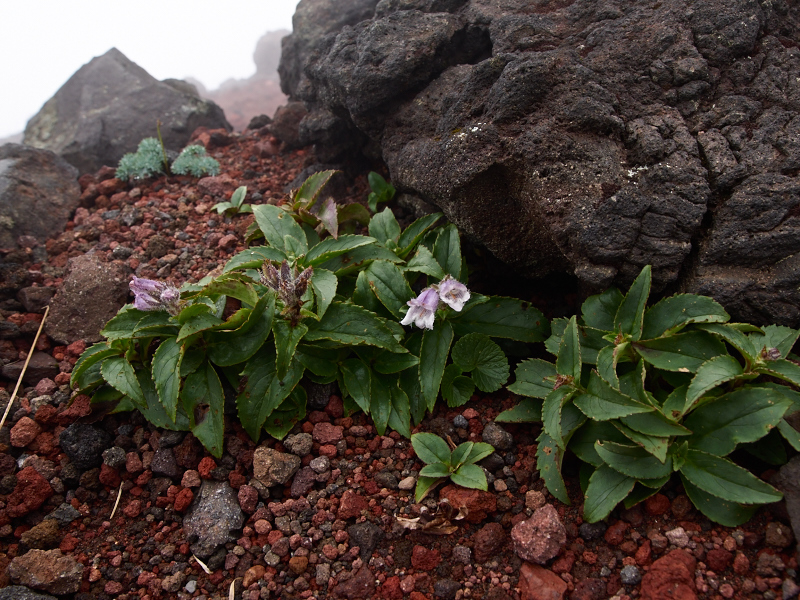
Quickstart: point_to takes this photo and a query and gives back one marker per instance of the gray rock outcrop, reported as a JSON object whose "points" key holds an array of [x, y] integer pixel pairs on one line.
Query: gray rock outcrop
{"points": [[213, 517], [109, 105], [590, 137], [39, 191]]}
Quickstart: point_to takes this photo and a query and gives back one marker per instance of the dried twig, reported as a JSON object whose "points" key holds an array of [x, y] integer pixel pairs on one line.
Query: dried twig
{"points": [[119, 495], [24, 367]]}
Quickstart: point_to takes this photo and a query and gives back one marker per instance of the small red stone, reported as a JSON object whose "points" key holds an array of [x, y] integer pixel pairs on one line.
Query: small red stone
{"points": [[657, 505], [390, 590], [425, 559], [615, 534], [183, 499], [108, 476], [206, 466], [351, 505]]}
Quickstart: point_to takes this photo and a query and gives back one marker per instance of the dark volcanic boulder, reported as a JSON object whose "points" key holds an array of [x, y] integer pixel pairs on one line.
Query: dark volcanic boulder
{"points": [[582, 136], [109, 105], [39, 191]]}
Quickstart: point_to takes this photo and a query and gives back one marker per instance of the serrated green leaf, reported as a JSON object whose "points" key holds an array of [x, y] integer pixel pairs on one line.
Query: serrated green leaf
{"points": [[728, 514], [607, 364], [684, 352], [790, 434], [413, 233], [592, 343], [675, 312], [155, 412], [409, 383], [324, 284], [203, 400], [783, 369], [654, 424], [384, 227], [602, 402], [640, 492], [500, 317], [254, 258], [226, 348], [568, 362], [722, 478], [91, 356], [744, 415], [353, 325], [531, 378], [124, 322], [447, 251], [433, 357], [389, 362], [202, 321], [551, 414], [424, 262], [629, 319], [607, 488], [358, 381], [286, 340], [711, 373], [470, 476], [599, 311], [657, 446], [400, 417], [290, 412], [529, 410], [478, 354], [388, 284], [548, 460], [460, 453], [353, 212], [276, 223], [733, 336], [557, 327], [166, 371], [380, 404], [119, 374], [264, 391], [456, 389], [332, 248], [775, 336], [234, 286], [307, 194], [582, 441], [633, 461], [430, 448]]}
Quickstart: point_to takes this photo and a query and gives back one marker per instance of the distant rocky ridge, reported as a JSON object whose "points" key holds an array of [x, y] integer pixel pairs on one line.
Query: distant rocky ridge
{"points": [[589, 137]]}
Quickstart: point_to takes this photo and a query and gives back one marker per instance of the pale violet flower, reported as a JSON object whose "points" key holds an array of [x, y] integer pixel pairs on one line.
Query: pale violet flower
{"points": [[453, 293], [422, 309], [154, 295]]}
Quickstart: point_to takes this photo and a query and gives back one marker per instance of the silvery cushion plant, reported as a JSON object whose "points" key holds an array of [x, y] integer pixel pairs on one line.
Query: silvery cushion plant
{"points": [[441, 463], [150, 160], [642, 394], [316, 304]]}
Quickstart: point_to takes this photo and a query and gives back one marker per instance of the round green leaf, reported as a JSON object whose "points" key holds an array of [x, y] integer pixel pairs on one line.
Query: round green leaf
{"points": [[477, 353]]}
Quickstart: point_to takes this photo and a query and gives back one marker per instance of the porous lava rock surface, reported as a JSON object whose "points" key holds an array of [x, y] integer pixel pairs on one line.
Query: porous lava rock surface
{"points": [[109, 105], [589, 137]]}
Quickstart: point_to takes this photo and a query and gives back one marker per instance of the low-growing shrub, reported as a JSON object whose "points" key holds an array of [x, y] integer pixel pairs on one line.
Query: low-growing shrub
{"points": [[316, 304], [638, 394]]}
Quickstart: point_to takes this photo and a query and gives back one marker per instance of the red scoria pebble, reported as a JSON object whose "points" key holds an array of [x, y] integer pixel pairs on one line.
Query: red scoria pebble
{"points": [[425, 559], [183, 499], [206, 466], [657, 505]]}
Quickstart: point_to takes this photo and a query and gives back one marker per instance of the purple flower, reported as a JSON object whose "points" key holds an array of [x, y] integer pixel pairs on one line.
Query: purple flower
{"points": [[422, 309], [289, 285], [453, 293], [154, 295]]}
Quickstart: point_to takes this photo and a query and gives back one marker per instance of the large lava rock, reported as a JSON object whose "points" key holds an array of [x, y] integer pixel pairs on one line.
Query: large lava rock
{"points": [[109, 105], [39, 191], [590, 137]]}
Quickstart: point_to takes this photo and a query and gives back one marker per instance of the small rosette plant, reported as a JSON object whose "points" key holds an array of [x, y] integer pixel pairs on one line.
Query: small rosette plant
{"points": [[441, 463], [316, 305], [639, 394]]}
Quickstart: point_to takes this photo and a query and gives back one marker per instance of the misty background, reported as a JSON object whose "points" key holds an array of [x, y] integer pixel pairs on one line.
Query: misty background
{"points": [[207, 42]]}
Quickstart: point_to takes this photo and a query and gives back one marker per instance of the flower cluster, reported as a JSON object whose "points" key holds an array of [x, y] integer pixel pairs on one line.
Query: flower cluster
{"points": [[155, 295], [289, 285], [422, 309]]}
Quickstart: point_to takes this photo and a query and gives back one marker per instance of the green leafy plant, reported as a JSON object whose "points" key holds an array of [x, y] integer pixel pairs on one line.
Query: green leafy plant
{"points": [[150, 160], [459, 465], [639, 393], [235, 205], [194, 161], [309, 305], [381, 191]]}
